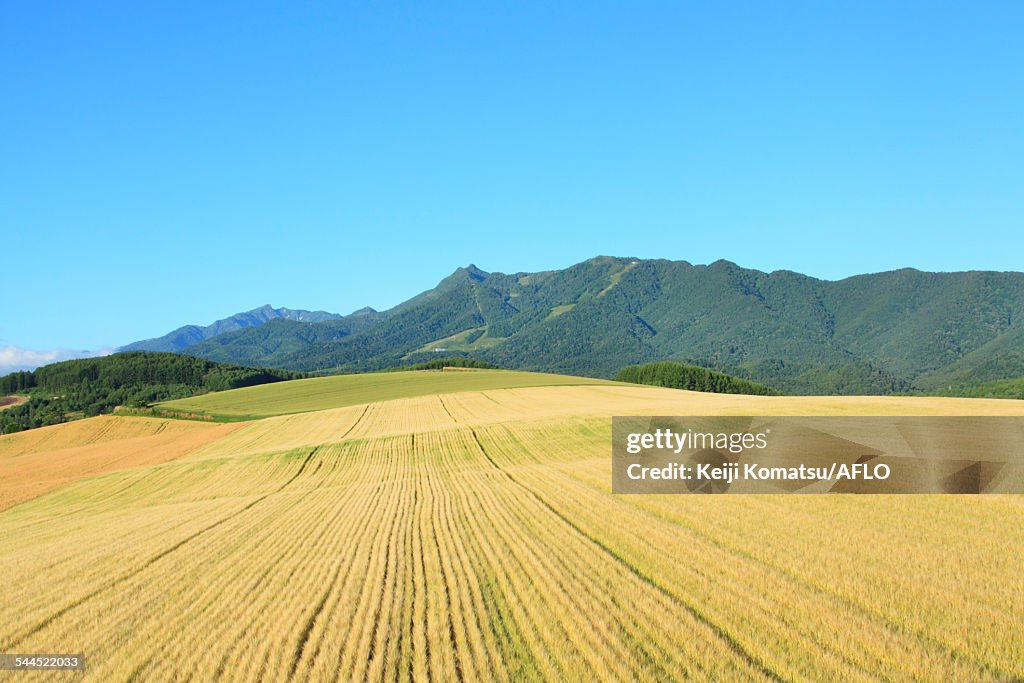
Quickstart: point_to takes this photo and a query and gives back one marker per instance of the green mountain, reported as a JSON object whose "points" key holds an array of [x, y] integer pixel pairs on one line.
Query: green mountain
{"points": [[278, 342], [898, 331]]}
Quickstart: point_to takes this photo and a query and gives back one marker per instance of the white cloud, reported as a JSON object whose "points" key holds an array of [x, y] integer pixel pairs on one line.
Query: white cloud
{"points": [[14, 358]]}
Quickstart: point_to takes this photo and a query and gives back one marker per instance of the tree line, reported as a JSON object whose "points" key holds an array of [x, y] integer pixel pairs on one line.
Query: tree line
{"points": [[93, 386], [691, 377]]}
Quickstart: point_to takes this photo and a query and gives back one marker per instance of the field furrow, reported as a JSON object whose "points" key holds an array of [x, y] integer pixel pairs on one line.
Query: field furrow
{"points": [[472, 535]]}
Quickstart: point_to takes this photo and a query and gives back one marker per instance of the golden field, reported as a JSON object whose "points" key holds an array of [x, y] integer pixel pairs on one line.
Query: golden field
{"points": [[471, 535], [41, 460]]}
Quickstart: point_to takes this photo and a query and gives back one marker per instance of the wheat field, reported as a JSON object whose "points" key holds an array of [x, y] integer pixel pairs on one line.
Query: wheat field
{"points": [[472, 535], [320, 393]]}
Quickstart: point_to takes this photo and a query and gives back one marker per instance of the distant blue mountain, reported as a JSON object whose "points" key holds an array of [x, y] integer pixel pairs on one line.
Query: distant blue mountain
{"points": [[184, 337]]}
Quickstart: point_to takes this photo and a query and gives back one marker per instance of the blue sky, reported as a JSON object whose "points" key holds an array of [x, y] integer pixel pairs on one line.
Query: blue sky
{"points": [[168, 163]]}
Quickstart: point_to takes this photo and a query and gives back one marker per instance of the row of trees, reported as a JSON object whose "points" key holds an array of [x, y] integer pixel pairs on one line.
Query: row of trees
{"points": [[450, 362], [691, 377], [16, 382]]}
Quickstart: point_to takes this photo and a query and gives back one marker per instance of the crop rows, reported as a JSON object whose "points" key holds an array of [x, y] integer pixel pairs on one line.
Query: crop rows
{"points": [[473, 536], [41, 460]]}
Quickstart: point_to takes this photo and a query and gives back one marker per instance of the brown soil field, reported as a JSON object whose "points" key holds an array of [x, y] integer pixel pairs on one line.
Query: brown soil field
{"points": [[10, 401]]}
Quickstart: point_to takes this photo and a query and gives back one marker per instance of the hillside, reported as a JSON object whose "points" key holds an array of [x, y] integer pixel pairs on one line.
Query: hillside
{"points": [[278, 341], [472, 534], [871, 334], [1003, 388], [320, 393]]}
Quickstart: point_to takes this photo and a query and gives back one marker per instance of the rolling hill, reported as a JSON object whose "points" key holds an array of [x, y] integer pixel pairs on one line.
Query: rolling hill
{"points": [[871, 334], [320, 393], [471, 534]]}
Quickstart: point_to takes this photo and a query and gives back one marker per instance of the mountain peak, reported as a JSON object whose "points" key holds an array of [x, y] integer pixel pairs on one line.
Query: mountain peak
{"points": [[186, 336], [463, 275], [473, 272], [365, 310]]}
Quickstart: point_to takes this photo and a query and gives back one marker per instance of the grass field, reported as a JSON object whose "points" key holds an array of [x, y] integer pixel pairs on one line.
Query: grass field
{"points": [[320, 393], [473, 536]]}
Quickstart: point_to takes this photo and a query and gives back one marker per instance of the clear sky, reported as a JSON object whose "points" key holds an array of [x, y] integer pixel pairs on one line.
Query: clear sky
{"points": [[173, 163]]}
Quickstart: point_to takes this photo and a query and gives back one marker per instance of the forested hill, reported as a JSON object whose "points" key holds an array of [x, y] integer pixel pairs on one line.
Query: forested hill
{"points": [[898, 331], [92, 386]]}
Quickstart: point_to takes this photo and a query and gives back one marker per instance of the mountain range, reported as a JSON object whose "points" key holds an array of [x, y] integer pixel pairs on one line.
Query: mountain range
{"points": [[189, 335], [897, 331]]}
